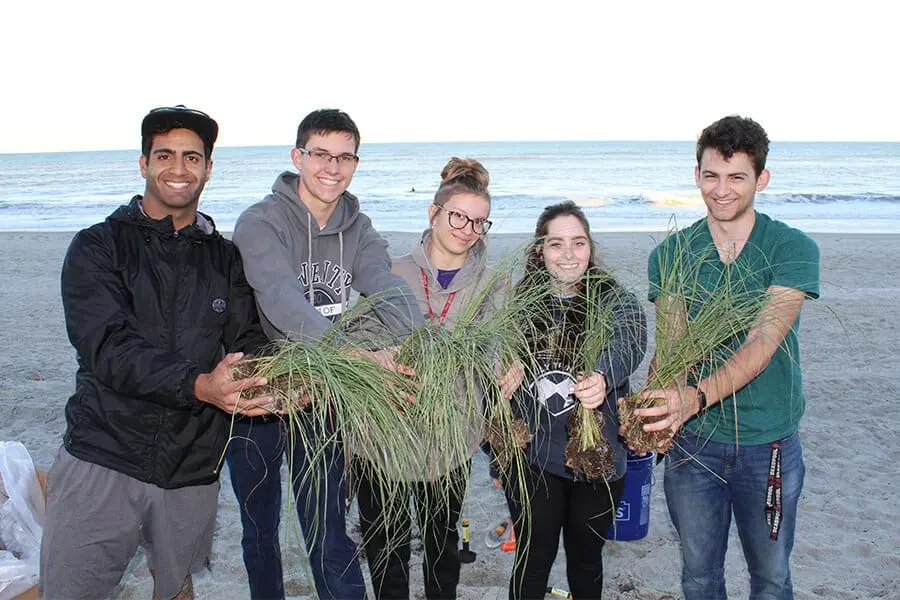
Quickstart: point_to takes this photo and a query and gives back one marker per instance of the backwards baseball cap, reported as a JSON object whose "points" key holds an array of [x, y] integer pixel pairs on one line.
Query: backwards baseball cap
{"points": [[179, 116]]}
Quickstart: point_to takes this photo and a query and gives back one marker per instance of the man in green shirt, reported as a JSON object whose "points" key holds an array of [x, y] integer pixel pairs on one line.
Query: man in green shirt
{"points": [[735, 447]]}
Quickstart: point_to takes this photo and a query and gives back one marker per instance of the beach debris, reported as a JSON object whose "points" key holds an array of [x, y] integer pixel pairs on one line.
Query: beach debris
{"points": [[510, 544], [466, 555], [498, 533]]}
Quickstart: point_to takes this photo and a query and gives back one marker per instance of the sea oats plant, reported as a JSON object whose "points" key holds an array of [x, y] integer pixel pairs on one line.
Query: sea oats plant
{"points": [[407, 429], [696, 329], [588, 452], [457, 371], [457, 392], [330, 391]]}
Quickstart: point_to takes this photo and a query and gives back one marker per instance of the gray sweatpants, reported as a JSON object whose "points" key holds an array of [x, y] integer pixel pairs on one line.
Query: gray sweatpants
{"points": [[96, 519]]}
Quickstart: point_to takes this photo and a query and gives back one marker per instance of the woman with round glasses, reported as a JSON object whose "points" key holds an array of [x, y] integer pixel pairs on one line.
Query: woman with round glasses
{"points": [[446, 269]]}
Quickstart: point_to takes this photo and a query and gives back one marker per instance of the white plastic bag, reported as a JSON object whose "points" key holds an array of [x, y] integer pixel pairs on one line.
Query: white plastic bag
{"points": [[21, 521]]}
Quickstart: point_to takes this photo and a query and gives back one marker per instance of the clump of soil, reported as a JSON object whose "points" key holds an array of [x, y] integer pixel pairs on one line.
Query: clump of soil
{"points": [[505, 443], [595, 462], [637, 439], [286, 395]]}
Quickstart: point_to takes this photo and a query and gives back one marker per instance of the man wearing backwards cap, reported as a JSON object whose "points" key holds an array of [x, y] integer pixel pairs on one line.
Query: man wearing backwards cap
{"points": [[153, 299]]}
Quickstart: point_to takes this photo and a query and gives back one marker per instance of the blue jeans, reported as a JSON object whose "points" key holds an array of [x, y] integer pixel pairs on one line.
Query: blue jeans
{"points": [[254, 458], [706, 482]]}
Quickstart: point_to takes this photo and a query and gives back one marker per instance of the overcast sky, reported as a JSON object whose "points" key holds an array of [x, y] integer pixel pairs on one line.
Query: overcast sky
{"points": [[81, 75]]}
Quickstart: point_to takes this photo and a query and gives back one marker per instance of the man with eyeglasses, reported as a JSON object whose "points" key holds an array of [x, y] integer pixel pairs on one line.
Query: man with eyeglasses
{"points": [[303, 246], [153, 298]]}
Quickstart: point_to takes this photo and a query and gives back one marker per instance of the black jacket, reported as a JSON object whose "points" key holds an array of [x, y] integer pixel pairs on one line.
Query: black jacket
{"points": [[147, 310]]}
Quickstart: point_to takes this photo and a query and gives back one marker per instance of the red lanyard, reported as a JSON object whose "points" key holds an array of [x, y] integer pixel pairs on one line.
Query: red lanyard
{"points": [[428, 300]]}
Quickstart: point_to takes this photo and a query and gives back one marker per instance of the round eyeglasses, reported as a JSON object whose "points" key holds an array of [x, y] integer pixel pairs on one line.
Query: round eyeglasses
{"points": [[460, 220]]}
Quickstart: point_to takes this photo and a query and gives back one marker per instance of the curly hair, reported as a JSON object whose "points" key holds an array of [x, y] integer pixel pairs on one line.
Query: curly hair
{"points": [[733, 134]]}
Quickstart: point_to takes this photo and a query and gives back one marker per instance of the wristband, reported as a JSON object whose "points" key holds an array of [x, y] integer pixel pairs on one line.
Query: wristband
{"points": [[701, 398]]}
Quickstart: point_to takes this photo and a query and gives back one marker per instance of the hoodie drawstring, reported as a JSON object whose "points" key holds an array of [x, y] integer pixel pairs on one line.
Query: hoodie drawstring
{"points": [[309, 254], [343, 283], [311, 295]]}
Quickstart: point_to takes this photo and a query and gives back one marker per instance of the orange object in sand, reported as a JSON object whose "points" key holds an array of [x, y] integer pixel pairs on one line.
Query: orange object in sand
{"points": [[494, 537], [510, 544]]}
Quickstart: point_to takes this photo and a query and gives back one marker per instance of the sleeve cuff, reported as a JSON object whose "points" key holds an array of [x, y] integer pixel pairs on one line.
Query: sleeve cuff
{"points": [[186, 396]]}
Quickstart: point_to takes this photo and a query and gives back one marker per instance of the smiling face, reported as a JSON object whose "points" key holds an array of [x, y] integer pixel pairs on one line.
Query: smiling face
{"points": [[450, 246], [322, 183], [728, 186], [566, 251], [175, 173]]}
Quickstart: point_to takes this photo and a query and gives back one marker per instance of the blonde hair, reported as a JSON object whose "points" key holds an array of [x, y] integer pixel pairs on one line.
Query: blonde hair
{"points": [[462, 175]]}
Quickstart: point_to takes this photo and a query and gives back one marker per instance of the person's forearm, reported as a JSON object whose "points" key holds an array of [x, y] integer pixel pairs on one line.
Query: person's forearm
{"points": [[752, 358], [746, 364]]}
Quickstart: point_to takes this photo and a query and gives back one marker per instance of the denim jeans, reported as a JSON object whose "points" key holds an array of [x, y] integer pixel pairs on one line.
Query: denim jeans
{"points": [[254, 458], [706, 482]]}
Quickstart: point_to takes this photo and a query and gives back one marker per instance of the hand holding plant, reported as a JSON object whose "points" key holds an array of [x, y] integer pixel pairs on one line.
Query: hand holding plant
{"points": [[387, 358], [512, 379], [590, 390], [697, 330], [221, 389], [673, 408]]}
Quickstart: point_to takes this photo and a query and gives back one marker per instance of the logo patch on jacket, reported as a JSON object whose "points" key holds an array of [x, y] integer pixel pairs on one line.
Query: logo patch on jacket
{"points": [[553, 389], [219, 305]]}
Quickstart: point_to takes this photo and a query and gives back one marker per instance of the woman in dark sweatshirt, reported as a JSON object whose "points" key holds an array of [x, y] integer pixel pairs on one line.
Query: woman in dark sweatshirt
{"points": [[558, 499]]}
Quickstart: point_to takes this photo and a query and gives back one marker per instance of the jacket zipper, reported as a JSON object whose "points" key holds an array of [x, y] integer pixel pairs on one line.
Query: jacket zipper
{"points": [[173, 328]]}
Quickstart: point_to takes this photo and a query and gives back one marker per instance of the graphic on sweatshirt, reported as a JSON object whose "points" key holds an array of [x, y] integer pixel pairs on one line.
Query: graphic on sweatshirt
{"points": [[553, 389], [327, 305], [328, 281]]}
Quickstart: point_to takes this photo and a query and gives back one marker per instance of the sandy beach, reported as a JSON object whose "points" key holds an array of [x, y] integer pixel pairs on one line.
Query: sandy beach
{"points": [[849, 523]]}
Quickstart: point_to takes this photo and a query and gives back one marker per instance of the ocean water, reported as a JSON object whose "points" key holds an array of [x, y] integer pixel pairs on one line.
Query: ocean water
{"points": [[623, 186]]}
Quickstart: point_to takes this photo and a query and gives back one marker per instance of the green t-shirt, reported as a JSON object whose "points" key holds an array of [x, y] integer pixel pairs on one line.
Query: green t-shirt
{"points": [[771, 405]]}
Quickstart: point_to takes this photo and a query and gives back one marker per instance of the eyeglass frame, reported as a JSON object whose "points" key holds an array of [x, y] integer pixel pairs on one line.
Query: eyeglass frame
{"points": [[339, 159], [469, 221]]}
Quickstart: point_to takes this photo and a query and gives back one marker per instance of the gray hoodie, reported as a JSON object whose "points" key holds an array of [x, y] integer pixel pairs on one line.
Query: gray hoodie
{"points": [[301, 274], [472, 279], [466, 284]]}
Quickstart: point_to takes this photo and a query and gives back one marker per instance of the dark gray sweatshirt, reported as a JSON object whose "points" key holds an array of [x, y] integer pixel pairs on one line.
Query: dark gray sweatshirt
{"points": [[301, 275], [547, 402]]}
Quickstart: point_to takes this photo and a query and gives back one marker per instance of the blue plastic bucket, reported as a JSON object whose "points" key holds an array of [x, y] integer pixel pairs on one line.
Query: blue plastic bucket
{"points": [[633, 512]]}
